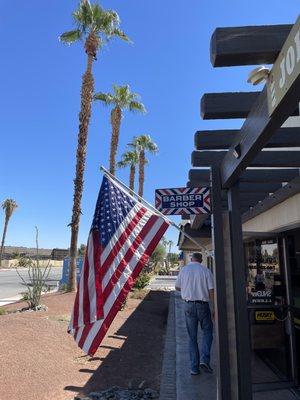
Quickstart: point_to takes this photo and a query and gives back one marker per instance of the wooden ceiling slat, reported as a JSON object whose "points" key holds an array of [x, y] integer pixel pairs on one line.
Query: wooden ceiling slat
{"points": [[291, 189], [265, 159], [229, 105], [247, 45], [247, 187], [250, 175], [223, 139]]}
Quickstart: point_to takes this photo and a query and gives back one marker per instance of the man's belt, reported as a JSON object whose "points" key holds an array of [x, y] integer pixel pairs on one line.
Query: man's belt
{"points": [[197, 301]]}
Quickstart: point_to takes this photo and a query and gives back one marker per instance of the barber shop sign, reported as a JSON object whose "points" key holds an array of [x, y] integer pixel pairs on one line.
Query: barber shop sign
{"points": [[182, 201]]}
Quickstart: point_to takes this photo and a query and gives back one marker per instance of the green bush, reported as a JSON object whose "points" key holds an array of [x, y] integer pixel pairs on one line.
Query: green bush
{"points": [[142, 281], [2, 311]]}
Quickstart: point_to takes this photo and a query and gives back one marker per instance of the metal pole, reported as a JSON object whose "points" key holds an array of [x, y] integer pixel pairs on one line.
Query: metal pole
{"points": [[221, 329], [131, 194], [240, 301]]}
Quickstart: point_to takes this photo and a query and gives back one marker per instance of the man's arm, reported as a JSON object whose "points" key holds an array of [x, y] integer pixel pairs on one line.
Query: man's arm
{"points": [[212, 300], [178, 282]]}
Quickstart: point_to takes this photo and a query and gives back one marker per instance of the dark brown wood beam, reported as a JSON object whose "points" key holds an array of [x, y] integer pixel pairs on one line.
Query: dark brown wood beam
{"points": [[282, 194], [248, 198], [230, 105], [247, 45], [265, 159], [247, 187], [250, 175], [223, 139], [256, 131], [227, 105]]}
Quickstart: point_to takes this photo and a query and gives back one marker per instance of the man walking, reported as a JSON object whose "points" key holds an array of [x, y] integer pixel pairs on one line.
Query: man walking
{"points": [[195, 282]]}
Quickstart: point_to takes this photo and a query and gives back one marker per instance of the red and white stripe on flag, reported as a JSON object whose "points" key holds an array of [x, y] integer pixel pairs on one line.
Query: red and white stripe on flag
{"points": [[109, 273]]}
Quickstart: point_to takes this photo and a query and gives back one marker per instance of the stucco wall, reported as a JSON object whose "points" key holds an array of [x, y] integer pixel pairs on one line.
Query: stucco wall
{"points": [[281, 217]]}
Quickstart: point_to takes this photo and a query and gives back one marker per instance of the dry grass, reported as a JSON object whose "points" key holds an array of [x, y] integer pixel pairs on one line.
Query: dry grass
{"points": [[139, 294]]}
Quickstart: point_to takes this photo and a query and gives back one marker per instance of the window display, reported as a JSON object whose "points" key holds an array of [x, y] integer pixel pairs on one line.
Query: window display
{"points": [[264, 279]]}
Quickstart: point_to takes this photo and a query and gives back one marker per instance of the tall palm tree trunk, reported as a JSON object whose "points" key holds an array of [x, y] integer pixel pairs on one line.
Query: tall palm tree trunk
{"points": [[3, 239], [131, 177], [142, 173], [115, 119], [87, 92]]}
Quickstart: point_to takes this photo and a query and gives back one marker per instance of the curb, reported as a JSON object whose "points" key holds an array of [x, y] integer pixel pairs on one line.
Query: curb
{"points": [[168, 375], [16, 299]]}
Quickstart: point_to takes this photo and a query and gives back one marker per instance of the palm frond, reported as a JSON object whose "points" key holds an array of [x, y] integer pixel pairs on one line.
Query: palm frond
{"points": [[144, 142], [137, 106], [120, 34], [93, 19], [106, 98], [9, 205], [84, 15], [128, 158], [70, 36]]}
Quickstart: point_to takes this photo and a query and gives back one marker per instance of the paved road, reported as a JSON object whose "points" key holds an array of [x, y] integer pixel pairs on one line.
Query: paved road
{"points": [[165, 282], [10, 282]]}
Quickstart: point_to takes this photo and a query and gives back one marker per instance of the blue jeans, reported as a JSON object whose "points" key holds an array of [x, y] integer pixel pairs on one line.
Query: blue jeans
{"points": [[195, 313]]}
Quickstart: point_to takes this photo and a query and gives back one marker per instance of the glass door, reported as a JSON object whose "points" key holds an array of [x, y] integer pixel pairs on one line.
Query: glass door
{"points": [[268, 312]]}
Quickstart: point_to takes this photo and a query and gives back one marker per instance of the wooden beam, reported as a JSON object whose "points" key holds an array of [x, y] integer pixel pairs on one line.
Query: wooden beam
{"points": [[246, 187], [247, 45], [259, 187], [257, 131], [250, 175], [227, 105], [223, 139], [246, 201], [279, 196], [230, 105], [248, 198], [265, 159]]}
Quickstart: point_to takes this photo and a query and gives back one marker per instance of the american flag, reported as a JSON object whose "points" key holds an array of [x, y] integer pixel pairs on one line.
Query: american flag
{"points": [[123, 236]]}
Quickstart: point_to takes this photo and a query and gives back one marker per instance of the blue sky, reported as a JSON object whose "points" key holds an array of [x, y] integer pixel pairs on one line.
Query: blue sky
{"points": [[40, 78]]}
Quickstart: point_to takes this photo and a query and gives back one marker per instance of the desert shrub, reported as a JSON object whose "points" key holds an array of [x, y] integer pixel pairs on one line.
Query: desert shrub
{"points": [[2, 311], [142, 281], [63, 287], [37, 277]]}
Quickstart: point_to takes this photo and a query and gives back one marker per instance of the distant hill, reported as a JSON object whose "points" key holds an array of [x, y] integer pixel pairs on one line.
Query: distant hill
{"points": [[55, 254]]}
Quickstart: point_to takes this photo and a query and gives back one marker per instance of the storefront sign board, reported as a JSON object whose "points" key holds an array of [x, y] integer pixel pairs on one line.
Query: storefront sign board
{"points": [[285, 69], [179, 201]]}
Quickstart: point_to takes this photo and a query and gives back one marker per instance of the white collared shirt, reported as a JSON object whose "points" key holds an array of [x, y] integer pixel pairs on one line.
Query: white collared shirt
{"points": [[195, 280]]}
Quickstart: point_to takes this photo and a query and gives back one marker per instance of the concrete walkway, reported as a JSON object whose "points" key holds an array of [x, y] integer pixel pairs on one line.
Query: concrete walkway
{"points": [[176, 381]]}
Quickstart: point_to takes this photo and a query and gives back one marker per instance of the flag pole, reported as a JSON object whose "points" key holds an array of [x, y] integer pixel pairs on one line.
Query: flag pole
{"points": [[132, 193]]}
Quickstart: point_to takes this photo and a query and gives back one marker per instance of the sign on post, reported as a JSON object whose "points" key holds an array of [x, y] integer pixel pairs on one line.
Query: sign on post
{"points": [[182, 201], [285, 69]]}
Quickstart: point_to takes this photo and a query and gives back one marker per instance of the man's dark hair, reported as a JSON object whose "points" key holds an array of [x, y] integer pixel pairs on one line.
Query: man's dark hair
{"points": [[197, 257]]}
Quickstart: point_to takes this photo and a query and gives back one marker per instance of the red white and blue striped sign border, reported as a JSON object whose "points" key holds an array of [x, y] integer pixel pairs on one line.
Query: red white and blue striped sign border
{"points": [[180, 201]]}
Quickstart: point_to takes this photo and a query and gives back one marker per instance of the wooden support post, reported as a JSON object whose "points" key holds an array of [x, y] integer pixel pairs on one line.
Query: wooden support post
{"points": [[240, 301], [221, 331]]}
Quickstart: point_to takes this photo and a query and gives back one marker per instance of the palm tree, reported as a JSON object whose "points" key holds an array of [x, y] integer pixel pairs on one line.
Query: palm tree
{"points": [[170, 244], [141, 144], [131, 159], [96, 27], [9, 206], [121, 99]]}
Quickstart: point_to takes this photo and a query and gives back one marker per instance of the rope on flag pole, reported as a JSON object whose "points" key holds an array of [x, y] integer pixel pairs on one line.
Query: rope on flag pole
{"points": [[131, 193]]}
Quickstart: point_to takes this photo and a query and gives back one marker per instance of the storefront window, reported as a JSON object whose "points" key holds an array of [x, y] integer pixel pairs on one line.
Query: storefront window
{"points": [[264, 279]]}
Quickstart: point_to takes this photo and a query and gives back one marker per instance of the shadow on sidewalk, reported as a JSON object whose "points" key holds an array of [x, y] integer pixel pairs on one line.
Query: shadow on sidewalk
{"points": [[140, 357]]}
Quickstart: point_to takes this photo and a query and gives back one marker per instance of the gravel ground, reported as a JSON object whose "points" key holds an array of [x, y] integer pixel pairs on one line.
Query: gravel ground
{"points": [[39, 360]]}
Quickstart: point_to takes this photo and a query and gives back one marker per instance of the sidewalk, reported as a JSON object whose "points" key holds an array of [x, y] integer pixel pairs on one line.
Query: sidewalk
{"points": [[176, 381]]}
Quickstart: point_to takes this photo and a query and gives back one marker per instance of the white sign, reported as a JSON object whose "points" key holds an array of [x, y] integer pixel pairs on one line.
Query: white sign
{"points": [[285, 69]]}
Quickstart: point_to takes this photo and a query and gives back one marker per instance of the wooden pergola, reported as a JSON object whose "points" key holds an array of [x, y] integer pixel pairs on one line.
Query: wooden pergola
{"points": [[249, 170]]}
